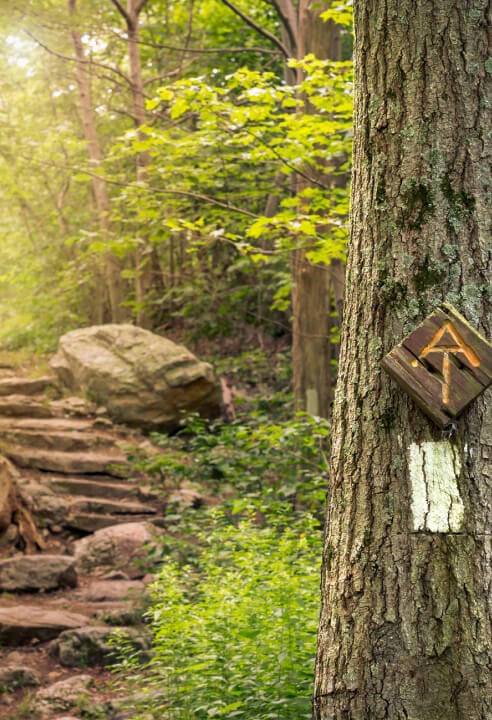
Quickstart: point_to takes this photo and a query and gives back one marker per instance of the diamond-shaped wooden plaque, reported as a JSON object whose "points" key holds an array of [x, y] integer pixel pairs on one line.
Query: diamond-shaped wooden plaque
{"points": [[444, 364]]}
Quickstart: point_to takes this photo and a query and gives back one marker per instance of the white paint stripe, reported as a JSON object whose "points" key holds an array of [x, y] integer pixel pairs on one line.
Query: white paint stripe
{"points": [[434, 471]]}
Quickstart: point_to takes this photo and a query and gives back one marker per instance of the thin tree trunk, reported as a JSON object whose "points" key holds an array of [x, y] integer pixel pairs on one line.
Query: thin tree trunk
{"points": [[145, 257], [405, 629], [312, 349], [112, 264]]}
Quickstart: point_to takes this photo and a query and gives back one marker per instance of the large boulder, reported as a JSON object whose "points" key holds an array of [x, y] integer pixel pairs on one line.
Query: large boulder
{"points": [[143, 380]]}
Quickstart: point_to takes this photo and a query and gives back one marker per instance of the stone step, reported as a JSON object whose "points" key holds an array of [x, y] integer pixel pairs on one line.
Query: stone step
{"points": [[26, 406], [95, 486], [26, 386], [23, 573], [52, 424], [66, 441], [112, 463], [23, 624], [101, 506], [91, 522]]}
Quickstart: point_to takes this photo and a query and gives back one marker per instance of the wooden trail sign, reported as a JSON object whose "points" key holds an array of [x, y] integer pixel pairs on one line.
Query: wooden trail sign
{"points": [[443, 365]]}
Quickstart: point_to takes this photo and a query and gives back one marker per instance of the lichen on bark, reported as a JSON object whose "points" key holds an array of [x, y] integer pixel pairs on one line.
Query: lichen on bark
{"points": [[405, 628]]}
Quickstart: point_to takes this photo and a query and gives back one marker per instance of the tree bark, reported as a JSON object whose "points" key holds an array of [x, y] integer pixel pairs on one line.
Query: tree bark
{"points": [[143, 252], [312, 348], [112, 264], [405, 628]]}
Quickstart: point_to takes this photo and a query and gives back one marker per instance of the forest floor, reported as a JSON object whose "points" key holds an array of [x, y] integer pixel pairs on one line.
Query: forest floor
{"points": [[38, 678]]}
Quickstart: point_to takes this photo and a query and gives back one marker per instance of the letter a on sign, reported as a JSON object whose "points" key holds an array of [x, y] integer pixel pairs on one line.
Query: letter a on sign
{"points": [[444, 364]]}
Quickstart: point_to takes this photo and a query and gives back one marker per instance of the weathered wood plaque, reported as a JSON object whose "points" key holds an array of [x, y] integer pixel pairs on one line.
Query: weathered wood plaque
{"points": [[444, 364]]}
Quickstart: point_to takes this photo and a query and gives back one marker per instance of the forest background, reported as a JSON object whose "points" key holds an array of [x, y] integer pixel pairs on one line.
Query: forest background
{"points": [[184, 166]]}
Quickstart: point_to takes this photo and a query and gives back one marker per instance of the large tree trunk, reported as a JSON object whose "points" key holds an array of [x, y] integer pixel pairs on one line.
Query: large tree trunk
{"points": [[112, 264], [405, 628]]}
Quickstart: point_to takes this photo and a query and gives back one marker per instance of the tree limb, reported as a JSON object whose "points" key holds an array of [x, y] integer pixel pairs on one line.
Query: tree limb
{"points": [[73, 59], [123, 13], [140, 6], [211, 51], [249, 21], [286, 13]]}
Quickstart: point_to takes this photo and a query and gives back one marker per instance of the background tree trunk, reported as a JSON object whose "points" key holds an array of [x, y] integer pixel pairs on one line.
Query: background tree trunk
{"points": [[143, 252], [112, 264], [312, 348], [405, 629]]}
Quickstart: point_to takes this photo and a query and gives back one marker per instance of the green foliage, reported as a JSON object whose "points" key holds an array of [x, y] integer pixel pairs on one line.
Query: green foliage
{"points": [[234, 634], [222, 146], [275, 468], [340, 12], [223, 138], [235, 607]]}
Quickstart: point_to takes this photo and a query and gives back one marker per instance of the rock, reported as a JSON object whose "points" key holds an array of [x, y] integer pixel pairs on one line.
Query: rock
{"points": [[16, 406], [21, 624], [99, 590], [113, 461], [25, 386], [17, 676], [118, 616], [92, 645], [186, 497], [73, 407], [11, 535], [121, 547], [143, 380], [97, 486], [92, 522], [63, 695], [43, 503], [37, 572]]}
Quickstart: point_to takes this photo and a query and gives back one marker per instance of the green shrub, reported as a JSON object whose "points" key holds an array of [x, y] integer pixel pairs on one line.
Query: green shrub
{"points": [[235, 633], [275, 467]]}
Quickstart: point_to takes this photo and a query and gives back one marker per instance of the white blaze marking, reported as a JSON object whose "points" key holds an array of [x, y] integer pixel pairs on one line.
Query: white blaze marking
{"points": [[434, 471]]}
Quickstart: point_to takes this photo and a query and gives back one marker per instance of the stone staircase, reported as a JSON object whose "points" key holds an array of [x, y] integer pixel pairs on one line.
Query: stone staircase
{"points": [[72, 459]]}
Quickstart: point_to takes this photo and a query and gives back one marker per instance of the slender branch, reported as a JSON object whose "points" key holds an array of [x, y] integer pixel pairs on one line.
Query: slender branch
{"points": [[211, 200], [211, 51], [249, 21], [278, 155], [123, 13], [60, 55], [183, 193], [286, 18], [166, 76], [140, 6], [188, 34]]}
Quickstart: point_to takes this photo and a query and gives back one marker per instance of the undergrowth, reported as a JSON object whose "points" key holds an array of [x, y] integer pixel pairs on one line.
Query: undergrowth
{"points": [[235, 606]]}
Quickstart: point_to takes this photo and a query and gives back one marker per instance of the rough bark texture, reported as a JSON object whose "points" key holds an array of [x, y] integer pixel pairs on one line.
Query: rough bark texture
{"points": [[405, 629]]}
